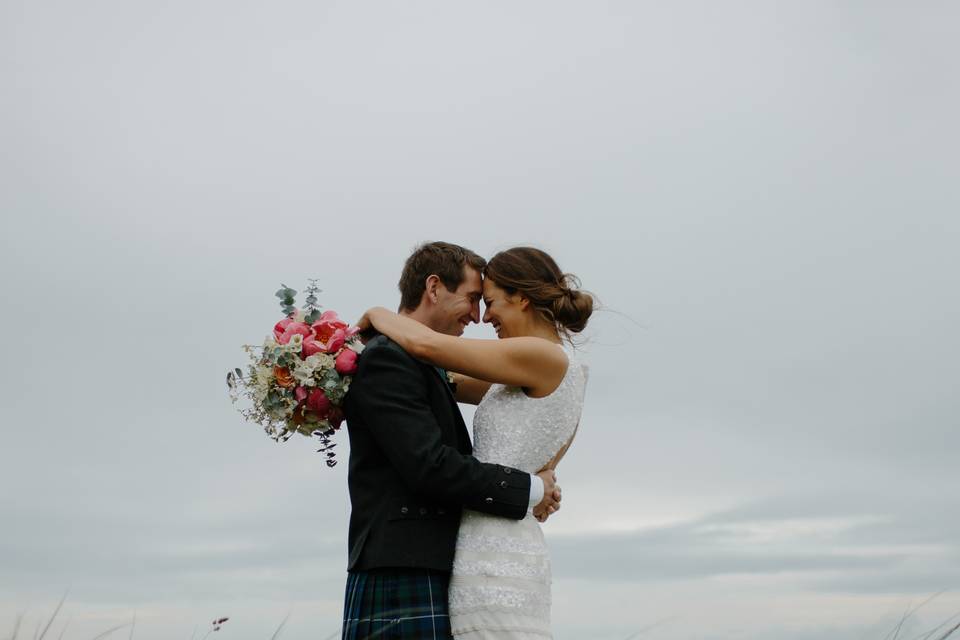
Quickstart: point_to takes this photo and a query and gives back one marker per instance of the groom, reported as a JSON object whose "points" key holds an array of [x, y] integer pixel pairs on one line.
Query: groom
{"points": [[411, 472]]}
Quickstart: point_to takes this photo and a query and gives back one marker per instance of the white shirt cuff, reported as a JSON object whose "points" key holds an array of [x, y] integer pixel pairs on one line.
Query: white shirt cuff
{"points": [[536, 490]]}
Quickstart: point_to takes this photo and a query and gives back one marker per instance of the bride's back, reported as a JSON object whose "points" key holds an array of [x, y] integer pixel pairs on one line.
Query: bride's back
{"points": [[515, 430]]}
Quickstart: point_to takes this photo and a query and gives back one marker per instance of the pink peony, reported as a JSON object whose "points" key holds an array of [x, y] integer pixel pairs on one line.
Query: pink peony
{"points": [[332, 331], [280, 327], [310, 346], [346, 362], [319, 403], [291, 329], [300, 394], [336, 341]]}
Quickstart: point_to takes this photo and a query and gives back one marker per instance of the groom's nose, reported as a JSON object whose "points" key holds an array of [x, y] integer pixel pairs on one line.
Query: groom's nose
{"points": [[475, 312]]}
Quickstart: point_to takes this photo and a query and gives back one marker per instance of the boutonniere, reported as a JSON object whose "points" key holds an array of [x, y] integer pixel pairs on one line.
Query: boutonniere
{"points": [[450, 382]]}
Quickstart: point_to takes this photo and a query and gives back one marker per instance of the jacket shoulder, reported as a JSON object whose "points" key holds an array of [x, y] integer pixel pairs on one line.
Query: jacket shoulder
{"points": [[381, 348], [380, 343]]}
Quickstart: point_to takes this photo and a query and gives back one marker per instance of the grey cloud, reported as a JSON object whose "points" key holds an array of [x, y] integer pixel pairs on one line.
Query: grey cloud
{"points": [[876, 546]]}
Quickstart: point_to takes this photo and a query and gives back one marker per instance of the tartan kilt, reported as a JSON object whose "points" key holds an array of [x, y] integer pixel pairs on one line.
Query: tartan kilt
{"points": [[382, 604]]}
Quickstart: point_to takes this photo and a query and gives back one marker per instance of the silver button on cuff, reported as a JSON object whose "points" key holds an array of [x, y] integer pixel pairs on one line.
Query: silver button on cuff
{"points": [[489, 500]]}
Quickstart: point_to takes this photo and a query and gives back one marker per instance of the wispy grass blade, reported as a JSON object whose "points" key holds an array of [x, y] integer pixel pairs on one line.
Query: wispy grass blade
{"points": [[929, 634], [55, 612], [949, 632], [133, 625], [64, 630], [109, 631], [277, 632], [895, 632], [16, 627]]}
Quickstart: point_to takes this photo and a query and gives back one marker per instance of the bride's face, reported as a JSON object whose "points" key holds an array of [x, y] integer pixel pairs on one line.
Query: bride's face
{"points": [[504, 312]]}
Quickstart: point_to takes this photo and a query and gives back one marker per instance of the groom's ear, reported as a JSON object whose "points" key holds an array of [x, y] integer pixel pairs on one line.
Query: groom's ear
{"points": [[431, 288]]}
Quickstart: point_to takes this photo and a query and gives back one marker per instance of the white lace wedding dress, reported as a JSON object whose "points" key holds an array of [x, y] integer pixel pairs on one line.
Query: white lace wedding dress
{"points": [[500, 586]]}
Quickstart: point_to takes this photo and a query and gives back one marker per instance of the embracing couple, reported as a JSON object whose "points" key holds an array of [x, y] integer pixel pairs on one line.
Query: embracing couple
{"points": [[444, 537]]}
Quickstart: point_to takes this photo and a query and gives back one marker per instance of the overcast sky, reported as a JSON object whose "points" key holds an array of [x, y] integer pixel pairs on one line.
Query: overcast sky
{"points": [[764, 196]]}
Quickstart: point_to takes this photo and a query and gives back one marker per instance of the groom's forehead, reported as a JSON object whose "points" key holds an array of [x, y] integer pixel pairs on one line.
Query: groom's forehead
{"points": [[473, 280]]}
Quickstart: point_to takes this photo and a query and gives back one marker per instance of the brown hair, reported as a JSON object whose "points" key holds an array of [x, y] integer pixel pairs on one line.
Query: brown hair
{"points": [[535, 275], [441, 259]]}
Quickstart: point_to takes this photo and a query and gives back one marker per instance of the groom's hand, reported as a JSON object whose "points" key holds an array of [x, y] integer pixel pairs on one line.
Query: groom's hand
{"points": [[551, 496]]}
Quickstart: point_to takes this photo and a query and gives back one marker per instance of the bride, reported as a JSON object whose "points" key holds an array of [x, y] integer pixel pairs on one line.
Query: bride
{"points": [[529, 387]]}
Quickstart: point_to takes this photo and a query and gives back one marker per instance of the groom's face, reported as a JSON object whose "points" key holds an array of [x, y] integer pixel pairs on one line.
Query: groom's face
{"points": [[456, 309]]}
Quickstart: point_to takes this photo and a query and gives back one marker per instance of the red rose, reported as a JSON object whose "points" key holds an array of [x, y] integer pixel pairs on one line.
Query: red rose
{"points": [[319, 403], [346, 362]]}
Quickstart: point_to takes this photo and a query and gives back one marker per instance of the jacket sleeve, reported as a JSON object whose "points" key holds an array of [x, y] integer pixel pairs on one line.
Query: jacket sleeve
{"points": [[390, 396]]}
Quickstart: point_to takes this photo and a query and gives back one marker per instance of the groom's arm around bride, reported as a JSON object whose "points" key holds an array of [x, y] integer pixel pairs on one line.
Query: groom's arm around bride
{"points": [[410, 468]]}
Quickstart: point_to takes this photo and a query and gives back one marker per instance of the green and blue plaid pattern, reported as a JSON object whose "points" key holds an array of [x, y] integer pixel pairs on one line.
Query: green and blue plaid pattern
{"points": [[396, 603]]}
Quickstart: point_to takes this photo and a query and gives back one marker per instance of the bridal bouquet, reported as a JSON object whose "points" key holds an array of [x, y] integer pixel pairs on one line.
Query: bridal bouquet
{"points": [[296, 381]]}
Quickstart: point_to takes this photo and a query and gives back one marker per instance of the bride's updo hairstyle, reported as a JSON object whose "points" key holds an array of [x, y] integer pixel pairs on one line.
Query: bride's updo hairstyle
{"points": [[534, 274]]}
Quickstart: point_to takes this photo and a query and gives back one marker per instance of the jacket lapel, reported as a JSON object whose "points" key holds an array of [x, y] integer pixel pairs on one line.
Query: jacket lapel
{"points": [[463, 436]]}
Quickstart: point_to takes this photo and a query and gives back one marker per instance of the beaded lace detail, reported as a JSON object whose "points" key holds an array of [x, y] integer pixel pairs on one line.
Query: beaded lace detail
{"points": [[500, 586]]}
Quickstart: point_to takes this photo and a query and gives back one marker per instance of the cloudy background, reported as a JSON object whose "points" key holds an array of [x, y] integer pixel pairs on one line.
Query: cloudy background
{"points": [[764, 195]]}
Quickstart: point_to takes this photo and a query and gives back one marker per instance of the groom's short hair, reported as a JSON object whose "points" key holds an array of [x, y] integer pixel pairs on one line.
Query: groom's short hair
{"points": [[442, 259]]}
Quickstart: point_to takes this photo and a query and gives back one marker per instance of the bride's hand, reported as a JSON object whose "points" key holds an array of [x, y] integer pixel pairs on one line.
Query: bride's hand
{"points": [[368, 323], [369, 319], [364, 323]]}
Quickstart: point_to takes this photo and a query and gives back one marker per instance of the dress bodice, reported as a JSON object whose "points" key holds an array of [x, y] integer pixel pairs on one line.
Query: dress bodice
{"points": [[513, 429]]}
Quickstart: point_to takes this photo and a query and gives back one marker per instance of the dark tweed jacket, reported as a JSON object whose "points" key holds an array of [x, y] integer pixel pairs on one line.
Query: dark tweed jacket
{"points": [[410, 472]]}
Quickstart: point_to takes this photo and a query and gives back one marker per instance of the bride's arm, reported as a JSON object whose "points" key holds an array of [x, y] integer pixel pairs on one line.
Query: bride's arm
{"points": [[521, 362], [470, 390], [542, 513], [552, 465]]}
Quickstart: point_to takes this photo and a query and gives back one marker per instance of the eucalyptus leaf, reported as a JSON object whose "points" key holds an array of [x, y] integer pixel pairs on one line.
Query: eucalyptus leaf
{"points": [[285, 292]]}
